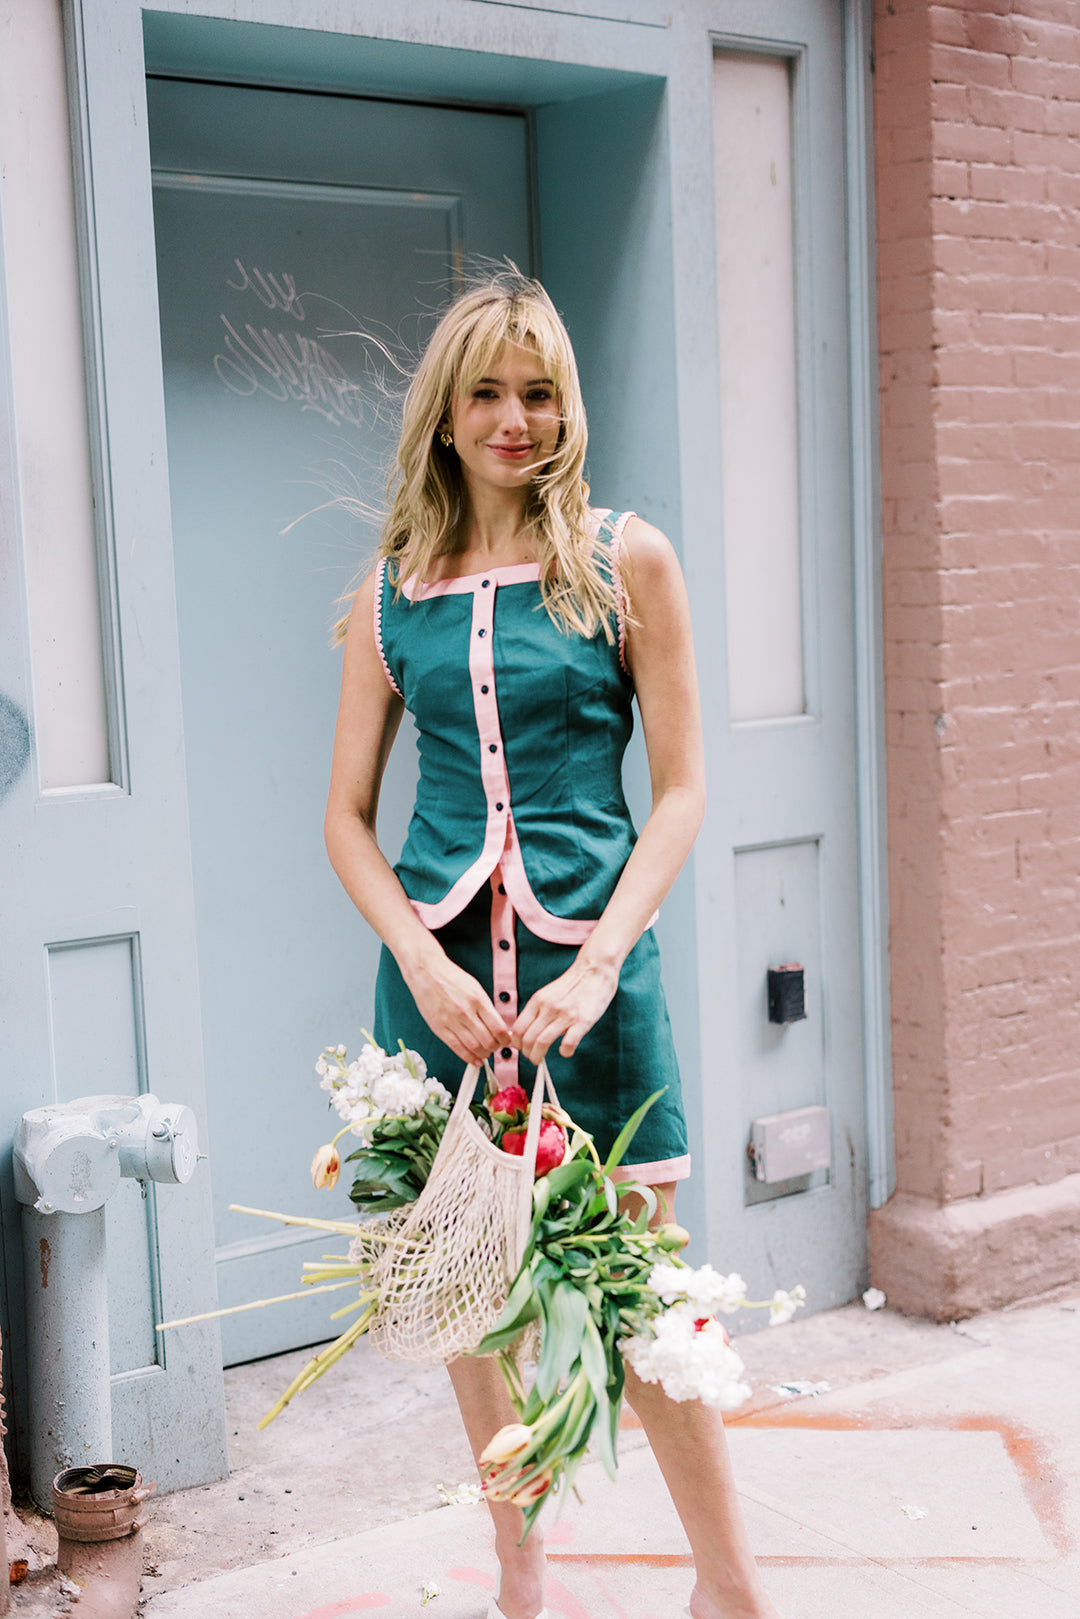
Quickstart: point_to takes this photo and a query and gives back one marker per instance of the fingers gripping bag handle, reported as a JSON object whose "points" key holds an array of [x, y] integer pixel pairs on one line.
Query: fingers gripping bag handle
{"points": [[445, 1267]]}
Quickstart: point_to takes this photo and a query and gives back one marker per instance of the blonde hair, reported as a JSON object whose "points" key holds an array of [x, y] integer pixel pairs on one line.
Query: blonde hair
{"points": [[427, 491]]}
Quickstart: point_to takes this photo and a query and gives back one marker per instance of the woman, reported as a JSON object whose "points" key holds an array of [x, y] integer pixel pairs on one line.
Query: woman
{"points": [[515, 623]]}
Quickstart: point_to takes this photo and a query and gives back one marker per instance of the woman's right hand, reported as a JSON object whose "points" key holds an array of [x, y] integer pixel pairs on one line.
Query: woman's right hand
{"points": [[454, 1005]]}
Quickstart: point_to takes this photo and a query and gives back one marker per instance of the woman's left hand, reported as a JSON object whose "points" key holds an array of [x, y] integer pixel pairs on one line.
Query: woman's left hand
{"points": [[569, 1006]]}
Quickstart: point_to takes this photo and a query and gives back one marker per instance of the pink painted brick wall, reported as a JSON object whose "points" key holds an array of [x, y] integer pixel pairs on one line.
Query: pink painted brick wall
{"points": [[977, 113]]}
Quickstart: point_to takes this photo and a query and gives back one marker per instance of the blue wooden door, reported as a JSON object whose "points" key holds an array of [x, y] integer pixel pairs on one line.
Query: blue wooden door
{"points": [[297, 235]]}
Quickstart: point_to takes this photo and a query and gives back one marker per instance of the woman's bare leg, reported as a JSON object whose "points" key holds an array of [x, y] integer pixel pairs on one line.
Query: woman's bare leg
{"points": [[485, 1408], [687, 1439], [689, 1444]]}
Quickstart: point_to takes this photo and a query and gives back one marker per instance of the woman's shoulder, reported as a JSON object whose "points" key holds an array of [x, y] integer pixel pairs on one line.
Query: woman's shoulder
{"points": [[640, 543]]}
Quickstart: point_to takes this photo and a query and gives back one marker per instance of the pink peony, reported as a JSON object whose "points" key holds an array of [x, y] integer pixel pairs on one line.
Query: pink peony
{"points": [[550, 1149], [508, 1106]]}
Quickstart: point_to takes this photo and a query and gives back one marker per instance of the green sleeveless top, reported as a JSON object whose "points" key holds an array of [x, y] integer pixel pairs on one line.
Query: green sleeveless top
{"points": [[522, 730]]}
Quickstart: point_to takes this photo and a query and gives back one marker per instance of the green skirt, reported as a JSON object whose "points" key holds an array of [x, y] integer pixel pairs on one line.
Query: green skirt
{"points": [[626, 1056]]}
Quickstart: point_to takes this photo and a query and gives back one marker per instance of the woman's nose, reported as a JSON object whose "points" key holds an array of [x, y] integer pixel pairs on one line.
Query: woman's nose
{"points": [[514, 418]]}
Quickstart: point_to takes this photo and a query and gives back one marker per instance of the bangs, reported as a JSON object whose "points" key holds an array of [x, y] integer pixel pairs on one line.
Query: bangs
{"points": [[522, 323]]}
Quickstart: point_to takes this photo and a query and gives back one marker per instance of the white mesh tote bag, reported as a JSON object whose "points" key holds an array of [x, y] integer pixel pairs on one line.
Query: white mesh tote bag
{"points": [[444, 1265]]}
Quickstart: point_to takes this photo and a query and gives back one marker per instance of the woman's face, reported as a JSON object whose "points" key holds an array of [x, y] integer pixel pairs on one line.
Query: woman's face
{"points": [[507, 426]]}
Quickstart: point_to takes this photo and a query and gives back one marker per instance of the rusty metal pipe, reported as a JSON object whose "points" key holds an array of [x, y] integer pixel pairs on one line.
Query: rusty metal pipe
{"points": [[100, 1529]]}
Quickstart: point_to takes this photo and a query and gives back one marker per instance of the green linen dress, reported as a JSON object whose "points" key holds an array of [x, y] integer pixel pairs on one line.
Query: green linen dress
{"points": [[520, 831]]}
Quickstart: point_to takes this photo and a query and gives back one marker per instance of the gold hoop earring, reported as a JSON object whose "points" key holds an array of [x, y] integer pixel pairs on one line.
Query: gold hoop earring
{"points": [[446, 438]]}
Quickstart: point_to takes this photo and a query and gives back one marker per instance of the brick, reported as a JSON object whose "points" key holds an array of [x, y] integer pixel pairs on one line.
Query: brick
{"points": [[949, 178], [1036, 368], [953, 64], [1048, 150], [950, 103], [959, 257], [1006, 109], [1005, 221], [1002, 7], [1053, 80], [995, 34], [973, 143], [947, 27], [1041, 31], [1063, 117], [997, 182]]}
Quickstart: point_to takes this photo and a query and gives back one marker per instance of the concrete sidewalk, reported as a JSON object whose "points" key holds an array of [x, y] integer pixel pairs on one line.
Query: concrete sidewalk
{"points": [[938, 1476]]}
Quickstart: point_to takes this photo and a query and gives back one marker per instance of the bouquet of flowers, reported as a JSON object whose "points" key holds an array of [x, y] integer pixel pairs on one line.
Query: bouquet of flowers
{"points": [[597, 1289]]}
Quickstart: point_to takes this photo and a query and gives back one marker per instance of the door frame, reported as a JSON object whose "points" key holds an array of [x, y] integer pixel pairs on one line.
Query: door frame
{"points": [[529, 55]]}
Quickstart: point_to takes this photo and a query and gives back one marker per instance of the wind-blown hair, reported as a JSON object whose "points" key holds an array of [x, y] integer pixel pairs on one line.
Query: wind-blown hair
{"points": [[427, 491]]}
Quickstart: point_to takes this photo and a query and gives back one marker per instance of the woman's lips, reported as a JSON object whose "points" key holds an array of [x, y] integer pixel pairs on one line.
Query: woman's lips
{"points": [[512, 452]]}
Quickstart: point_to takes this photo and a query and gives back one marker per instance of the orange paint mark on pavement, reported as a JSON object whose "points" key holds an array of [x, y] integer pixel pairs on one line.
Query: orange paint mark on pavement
{"points": [[335, 1610], [1026, 1450], [775, 1560]]}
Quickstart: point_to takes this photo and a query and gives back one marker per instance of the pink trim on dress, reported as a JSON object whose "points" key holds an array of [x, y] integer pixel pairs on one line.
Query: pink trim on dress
{"points": [[517, 573], [503, 974], [380, 575], [654, 1174], [556, 929]]}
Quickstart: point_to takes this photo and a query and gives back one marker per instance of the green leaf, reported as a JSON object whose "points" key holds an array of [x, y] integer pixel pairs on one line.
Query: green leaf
{"points": [[628, 1132], [521, 1307], [565, 1308], [594, 1365], [568, 1177]]}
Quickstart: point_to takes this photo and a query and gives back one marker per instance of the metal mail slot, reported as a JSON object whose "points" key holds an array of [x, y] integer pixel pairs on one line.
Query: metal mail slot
{"points": [[784, 1145]]}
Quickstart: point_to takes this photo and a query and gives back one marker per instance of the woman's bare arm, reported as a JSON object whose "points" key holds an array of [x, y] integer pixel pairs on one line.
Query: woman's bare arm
{"points": [[660, 655], [455, 1007]]}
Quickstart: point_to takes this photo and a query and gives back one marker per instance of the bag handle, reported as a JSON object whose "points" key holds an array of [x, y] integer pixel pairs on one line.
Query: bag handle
{"points": [[467, 1090]]}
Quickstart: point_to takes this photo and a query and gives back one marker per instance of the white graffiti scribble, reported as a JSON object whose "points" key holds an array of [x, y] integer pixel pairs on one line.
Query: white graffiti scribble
{"points": [[269, 290], [287, 365]]}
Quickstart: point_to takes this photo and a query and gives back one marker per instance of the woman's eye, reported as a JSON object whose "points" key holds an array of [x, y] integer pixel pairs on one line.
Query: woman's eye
{"points": [[539, 396], [484, 393]]}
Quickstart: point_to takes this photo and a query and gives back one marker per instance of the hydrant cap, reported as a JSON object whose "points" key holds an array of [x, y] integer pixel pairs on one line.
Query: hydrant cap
{"points": [[62, 1164]]}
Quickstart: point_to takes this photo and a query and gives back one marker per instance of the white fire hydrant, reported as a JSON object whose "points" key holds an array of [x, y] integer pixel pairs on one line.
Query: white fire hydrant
{"points": [[69, 1159]]}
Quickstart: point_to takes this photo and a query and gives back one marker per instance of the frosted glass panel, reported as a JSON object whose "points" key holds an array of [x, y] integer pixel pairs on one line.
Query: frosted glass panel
{"points": [[755, 251], [50, 399]]}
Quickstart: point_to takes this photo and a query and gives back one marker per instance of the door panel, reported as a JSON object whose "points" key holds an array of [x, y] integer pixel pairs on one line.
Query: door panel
{"points": [[291, 231], [779, 860]]}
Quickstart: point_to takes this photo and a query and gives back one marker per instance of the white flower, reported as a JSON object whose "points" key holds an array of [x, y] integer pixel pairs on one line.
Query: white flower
{"points": [[782, 1305], [668, 1282], [691, 1359], [375, 1085], [435, 1092], [398, 1092], [913, 1512], [704, 1288], [873, 1298], [465, 1495], [712, 1291], [428, 1591]]}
